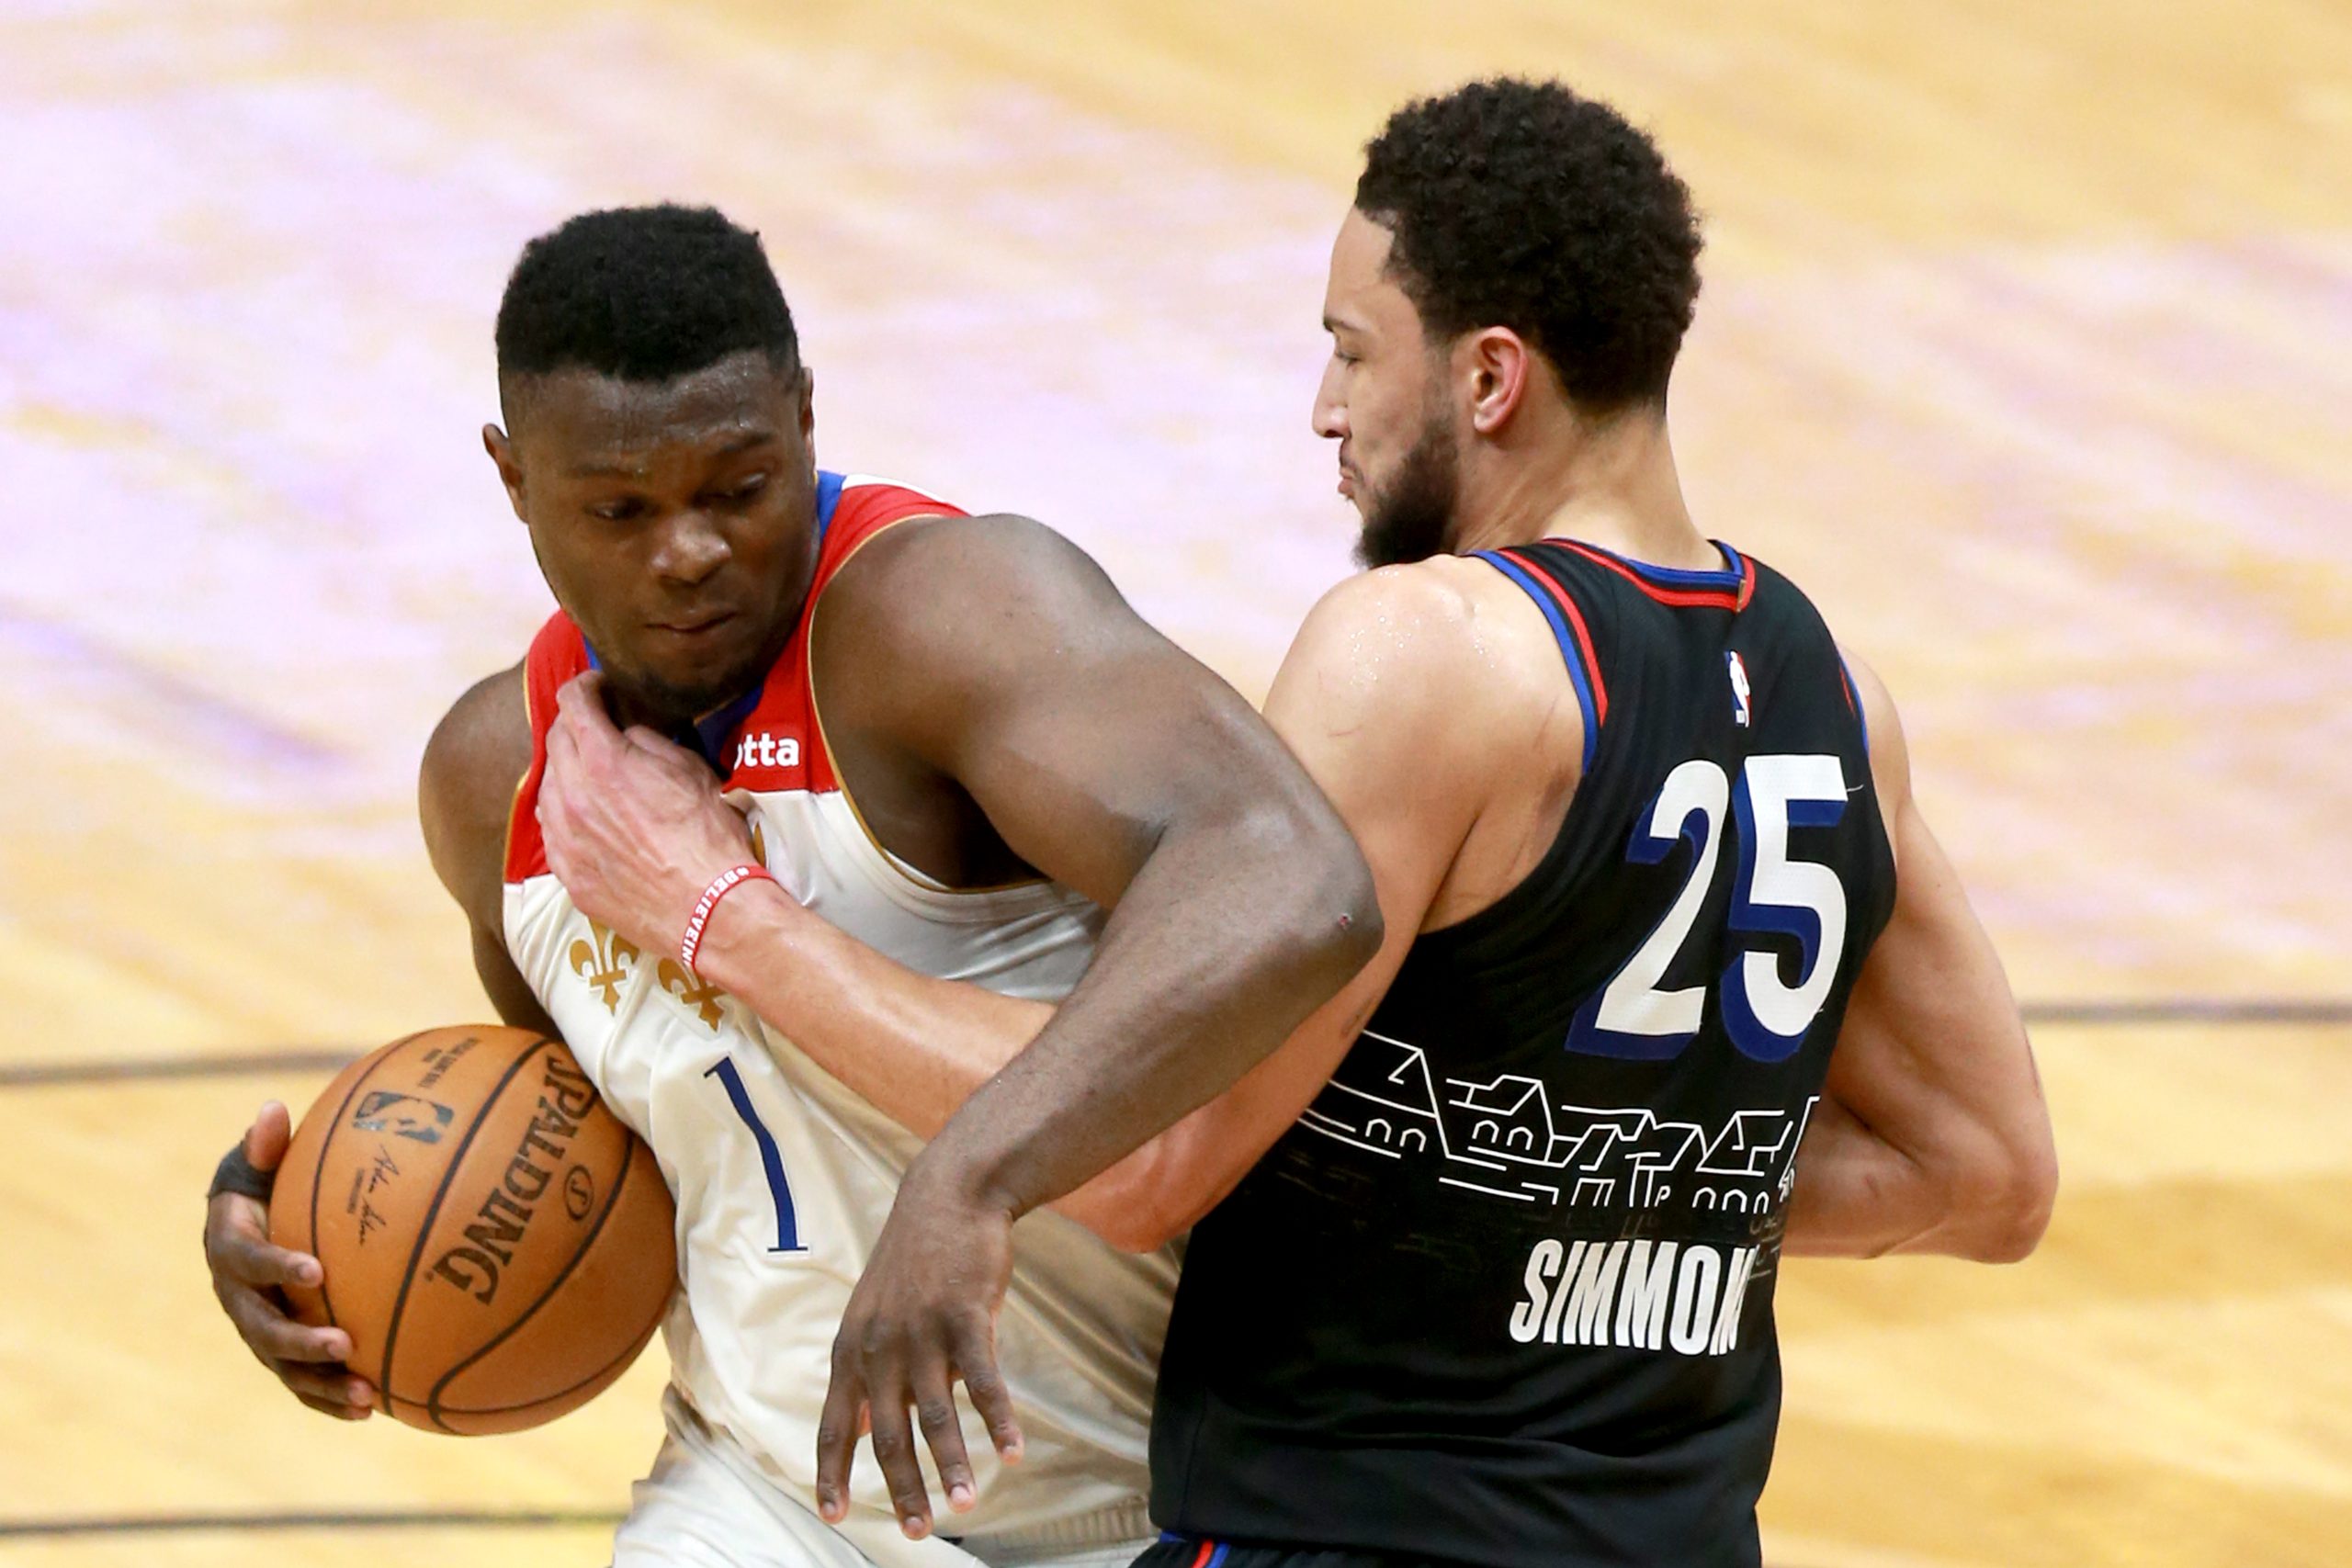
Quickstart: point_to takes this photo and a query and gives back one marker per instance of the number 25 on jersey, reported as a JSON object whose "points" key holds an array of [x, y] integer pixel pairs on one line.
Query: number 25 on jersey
{"points": [[1765, 1016]]}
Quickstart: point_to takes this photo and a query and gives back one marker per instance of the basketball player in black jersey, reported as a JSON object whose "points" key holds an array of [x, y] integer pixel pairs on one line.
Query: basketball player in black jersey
{"points": [[1675, 979]]}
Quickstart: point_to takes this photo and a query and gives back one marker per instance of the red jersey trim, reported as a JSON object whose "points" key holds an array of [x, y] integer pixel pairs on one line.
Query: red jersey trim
{"points": [[786, 749], [1712, 598]]}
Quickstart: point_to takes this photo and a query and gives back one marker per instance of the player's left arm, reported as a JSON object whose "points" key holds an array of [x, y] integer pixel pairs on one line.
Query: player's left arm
{"points": [[1123, 768], [1931, 1134], [1117, 764]]}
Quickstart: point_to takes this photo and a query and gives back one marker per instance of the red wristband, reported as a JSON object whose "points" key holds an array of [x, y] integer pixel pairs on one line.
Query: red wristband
{"points": [[726, 882]]}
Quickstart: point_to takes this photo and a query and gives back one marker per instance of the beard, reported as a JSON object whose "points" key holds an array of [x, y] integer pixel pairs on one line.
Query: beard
{"points": [[1411, 517], [671, 705], [668, 707]]}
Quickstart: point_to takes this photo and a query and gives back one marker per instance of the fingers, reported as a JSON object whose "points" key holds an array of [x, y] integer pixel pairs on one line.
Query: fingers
{"points": [[582, 696], [662, 748], [871, 1390], [893, 1442], [579, 711], [974, 1346], [332, 1391], [838, 1427], [237, 1247], [275, 1338], [935, 1412], [266, 1139], [581, 730]]}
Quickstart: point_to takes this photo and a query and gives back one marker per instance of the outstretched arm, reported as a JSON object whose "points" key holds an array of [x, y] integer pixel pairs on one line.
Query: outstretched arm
{"points": [[1931, 1134]]}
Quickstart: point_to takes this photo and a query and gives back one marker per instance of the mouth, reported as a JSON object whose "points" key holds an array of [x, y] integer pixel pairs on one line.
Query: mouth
{"points": [[694, 626]]}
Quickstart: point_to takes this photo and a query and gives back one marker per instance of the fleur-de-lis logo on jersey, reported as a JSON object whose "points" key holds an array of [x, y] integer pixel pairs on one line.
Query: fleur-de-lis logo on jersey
{"points": [[601, 962], [691, 989]]}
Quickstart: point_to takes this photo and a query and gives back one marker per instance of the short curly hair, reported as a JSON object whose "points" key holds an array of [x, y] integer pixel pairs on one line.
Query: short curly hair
{"points": [[642, 294], [1523, 205]]}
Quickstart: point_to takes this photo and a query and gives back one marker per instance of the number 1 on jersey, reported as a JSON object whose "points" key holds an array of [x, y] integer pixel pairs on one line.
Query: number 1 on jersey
{"points": [[788, 1223]]}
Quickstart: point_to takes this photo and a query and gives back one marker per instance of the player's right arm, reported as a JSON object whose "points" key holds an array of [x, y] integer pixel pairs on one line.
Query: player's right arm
{"points": [[1931, 1134], [476, 756]]}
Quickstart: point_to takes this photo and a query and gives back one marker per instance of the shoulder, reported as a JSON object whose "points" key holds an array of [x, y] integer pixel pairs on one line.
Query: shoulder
{"points": [[1444, 637], [1424, 688], [975, 586], [936, 551], [476, 755]]}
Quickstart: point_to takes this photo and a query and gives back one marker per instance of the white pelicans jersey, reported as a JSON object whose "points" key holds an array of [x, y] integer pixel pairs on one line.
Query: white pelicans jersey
{"points": [[783, 1177]]}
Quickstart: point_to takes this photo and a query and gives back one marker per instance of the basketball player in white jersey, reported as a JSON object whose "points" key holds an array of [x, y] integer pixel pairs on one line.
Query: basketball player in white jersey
{"points": [[1506, 303], [950, 735]]}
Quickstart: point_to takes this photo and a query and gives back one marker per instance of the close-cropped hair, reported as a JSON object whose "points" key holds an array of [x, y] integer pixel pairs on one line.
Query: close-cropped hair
{"points": [[642, 294], [1520, 204]]}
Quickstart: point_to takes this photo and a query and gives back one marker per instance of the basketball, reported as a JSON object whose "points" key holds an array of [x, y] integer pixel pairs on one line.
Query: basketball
{"points": [[496, 1243]]}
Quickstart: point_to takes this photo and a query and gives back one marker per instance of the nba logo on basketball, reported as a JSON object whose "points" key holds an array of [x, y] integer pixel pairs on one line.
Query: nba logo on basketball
{"points": [[406, 1116], [1739, 708]]}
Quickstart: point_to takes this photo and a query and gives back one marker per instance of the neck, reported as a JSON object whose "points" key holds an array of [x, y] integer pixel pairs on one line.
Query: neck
{"points": [[1609, 482]]}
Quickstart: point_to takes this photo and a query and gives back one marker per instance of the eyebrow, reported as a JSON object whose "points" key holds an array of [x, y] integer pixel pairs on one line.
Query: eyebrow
{"points": [[740, 445]]}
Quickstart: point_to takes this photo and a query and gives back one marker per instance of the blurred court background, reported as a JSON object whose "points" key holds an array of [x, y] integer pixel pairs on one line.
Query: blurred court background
{"points": [[2026, 346]]}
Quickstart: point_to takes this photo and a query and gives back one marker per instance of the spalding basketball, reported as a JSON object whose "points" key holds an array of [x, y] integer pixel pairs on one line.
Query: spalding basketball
{"points": [[498, 1246]]}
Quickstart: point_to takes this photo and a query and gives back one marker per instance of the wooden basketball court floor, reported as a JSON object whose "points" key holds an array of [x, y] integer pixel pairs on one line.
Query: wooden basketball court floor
{"points": [[2026, 344]]}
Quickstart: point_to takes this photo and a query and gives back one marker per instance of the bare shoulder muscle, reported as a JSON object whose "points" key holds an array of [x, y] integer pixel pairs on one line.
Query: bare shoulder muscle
{"points": [[1432, 695], [950, 604], [479, 752]]}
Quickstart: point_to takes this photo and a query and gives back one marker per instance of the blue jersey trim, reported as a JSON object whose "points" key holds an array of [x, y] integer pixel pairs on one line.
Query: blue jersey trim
{"points": [[1569, 653], [1734, 575], [829, 496]]}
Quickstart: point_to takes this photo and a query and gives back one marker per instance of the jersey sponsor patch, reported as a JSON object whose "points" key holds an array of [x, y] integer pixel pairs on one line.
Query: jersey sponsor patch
{"points": [[764, 748]]}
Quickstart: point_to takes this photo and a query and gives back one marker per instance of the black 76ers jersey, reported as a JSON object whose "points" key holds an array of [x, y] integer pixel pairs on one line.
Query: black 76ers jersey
{"points": [[1503, 1295]]}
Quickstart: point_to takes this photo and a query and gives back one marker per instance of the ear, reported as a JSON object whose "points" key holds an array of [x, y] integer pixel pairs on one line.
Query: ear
{"points": [[807, 402], [510, 473], [1494, 366]]}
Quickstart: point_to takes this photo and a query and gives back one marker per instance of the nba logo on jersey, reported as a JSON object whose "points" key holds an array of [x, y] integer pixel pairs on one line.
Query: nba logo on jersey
{"points": [[1739, 708]]}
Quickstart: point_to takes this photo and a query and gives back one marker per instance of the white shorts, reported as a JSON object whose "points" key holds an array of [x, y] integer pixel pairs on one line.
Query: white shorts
{"points": [[707, 1506]]}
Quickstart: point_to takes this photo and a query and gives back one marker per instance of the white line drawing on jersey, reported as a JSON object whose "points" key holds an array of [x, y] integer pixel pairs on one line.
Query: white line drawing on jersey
{"points": [[1384, 1100]]}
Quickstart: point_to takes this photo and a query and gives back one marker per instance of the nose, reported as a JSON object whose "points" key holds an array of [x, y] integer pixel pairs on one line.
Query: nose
{"points": [[1330, 416], [691, 548]]}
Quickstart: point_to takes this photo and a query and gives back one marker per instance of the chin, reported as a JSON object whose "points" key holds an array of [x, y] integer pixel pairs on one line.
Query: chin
{"points": [[674, 699]]}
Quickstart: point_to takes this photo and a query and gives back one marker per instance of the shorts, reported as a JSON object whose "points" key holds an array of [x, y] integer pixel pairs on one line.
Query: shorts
{"points": [[707, 1506], [1193, 1552]]}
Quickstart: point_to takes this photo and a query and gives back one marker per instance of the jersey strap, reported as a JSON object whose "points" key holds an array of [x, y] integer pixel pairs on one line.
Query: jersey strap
{"points": [[1569, 628], [1728, 588]]}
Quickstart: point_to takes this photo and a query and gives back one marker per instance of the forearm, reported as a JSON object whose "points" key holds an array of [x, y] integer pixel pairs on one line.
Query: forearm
{"points": [[1856, 1194], [1228, 938], [1859, 1194], [914, 1046]]}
